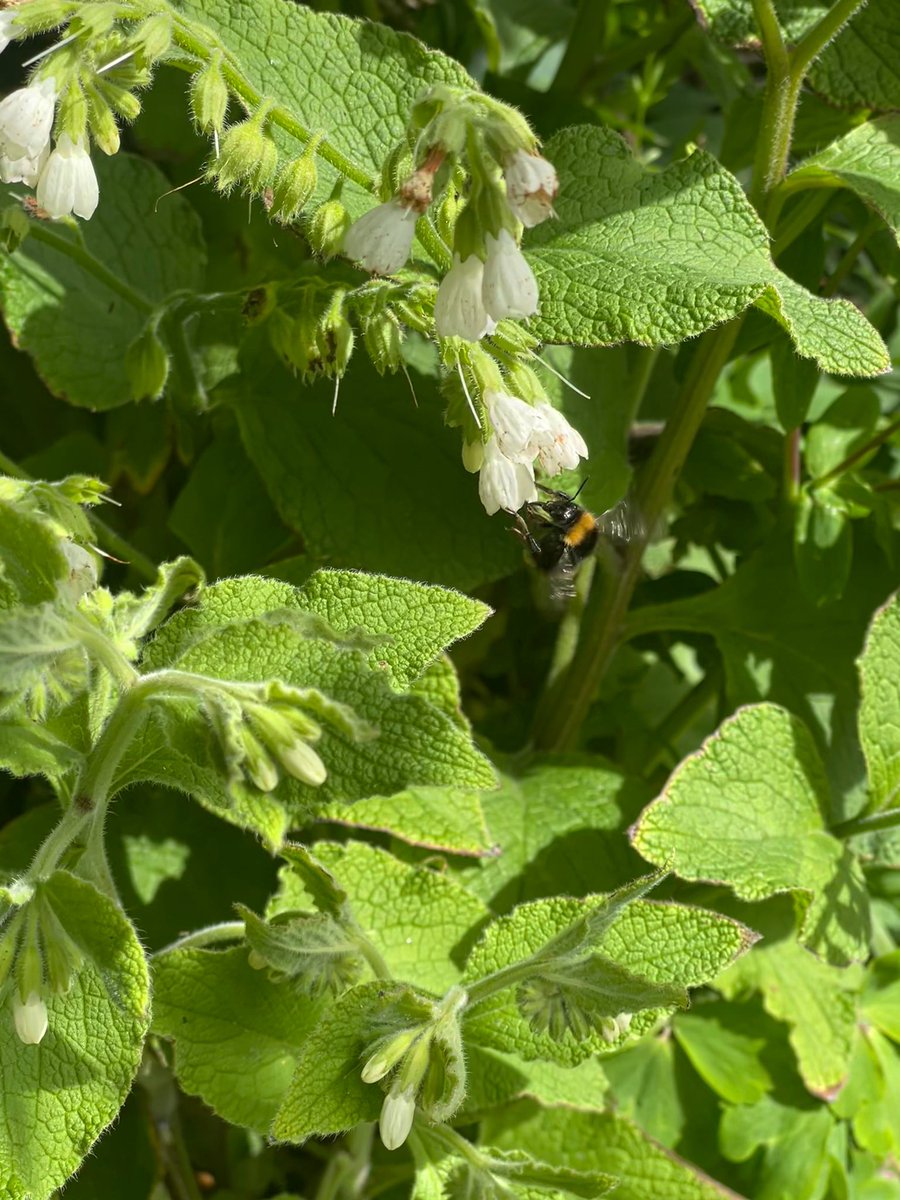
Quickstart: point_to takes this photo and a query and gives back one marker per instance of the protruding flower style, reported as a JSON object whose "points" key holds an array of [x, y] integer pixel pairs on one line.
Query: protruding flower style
{"points": [[509, 288], [68, 183], [30, 1018], [459, 309], [6, 28], [26, 118], [520, 427], [397, 1115], [563, 445], [381, 239], [531, 187], [503, 483]]}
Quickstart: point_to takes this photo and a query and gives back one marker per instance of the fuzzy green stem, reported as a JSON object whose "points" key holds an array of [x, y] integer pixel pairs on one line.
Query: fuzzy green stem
{"points": [[873, 823], [779, 106], [77, 253], [860, 452], [817, 38], [57, 842], [210, 935]]}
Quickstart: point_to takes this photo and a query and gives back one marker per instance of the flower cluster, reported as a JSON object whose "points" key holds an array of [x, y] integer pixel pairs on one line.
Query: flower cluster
{"points": [[64, 177], [522, 434]]}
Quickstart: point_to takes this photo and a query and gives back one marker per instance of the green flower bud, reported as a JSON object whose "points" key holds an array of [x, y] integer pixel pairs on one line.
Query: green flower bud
{"points": [[327, 228], [335, 340], [524, 383], [209, 96], [301, 761], [30, 967], [257, 764], [397, 166], [295, 184], [247, 155], [153, 38], [40, 15], [72, 114], [62, 957], [124, 103], [9, 944], [382, 338], [147, 365], [96, 19], [387, 1053], [104, 129], [473, 456]]}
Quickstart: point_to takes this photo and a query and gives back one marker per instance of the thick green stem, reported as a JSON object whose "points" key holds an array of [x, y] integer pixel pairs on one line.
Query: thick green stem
{"points": [[77, 253], [810, 45], [860, 452], [889, 819], [779, 106], [210, 935], [605, 616]]}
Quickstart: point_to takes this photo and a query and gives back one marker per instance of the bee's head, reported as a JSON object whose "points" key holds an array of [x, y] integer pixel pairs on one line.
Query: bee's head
{"points": [[559, 509]]}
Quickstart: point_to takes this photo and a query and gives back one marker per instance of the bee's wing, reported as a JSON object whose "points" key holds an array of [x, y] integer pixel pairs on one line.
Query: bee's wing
{"points": [[561, 581], [622, 522]]}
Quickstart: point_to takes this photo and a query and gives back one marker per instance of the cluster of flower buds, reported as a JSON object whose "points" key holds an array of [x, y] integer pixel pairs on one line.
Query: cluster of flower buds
{"points": [[518, 430], [279, 738], [309, 328], [38, 959], [428, 1069], [83, 85]]}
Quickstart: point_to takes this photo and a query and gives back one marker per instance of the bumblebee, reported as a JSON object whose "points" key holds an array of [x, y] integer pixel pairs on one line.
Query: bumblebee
{"points": [[560, 534]]}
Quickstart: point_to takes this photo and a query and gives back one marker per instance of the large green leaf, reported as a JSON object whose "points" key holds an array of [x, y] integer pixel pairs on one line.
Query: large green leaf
{"points": [[76, 313], [656, 257], [879, 710]]}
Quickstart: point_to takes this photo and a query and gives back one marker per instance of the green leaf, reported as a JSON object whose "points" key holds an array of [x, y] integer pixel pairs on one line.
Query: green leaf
{"points": [[823, 545], [793, 1142], [437, 818], [748, 810], [644, 1087], [880, 1001], [794, 381], [603, 1142], [75, 1081], [281, 47], [76, 299], [656, 257], [556, 827], [327, 1094], [32, 565], [223, 1015], [420, 921], [341, 493], [846, 425], [727, 1058], [817, 1001], [879, 710], [134, 616], [663, 943], [723, 467], [28, 748], [866, 160], [494, 1078]]}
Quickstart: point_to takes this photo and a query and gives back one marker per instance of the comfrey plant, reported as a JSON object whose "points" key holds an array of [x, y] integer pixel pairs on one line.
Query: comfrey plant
{"points": [[319, 877]]}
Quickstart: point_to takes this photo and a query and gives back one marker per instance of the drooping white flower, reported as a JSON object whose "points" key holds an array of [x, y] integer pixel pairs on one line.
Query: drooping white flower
{"points": [[30, 1018], [509, 288], [7, 33], [503, 483], [562, 446], [531, 187], [381, 239], [520, 428], [459, 309], [68, 183], [397, 1115], [26, 117], [23, 170], [82, 566]]}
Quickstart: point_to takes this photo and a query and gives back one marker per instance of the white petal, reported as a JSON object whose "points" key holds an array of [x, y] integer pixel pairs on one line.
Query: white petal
{"points": [[503, 483], [531, 187], [7, 33], [26, 117], [68, 182], [520, 427], [563, 445], [396, 1120], [458, 309], [30, 1019], [381, 239], [23, 170], [510, 288]]}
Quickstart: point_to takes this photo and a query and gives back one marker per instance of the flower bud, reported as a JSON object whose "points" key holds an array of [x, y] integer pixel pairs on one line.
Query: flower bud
{"points": [[397, 166], [147, 365], [397, 1115], [72, 112], [30, 1018], [327, 228], [389, 1052], [257, 764], [37, 16], [96, 19], [247, 155], [295, 184], [153, 38], [124, 103], [473, 456], [301, 761], [82, 566], [382, 339], [63, 958], [104, 129], [209, 96]]}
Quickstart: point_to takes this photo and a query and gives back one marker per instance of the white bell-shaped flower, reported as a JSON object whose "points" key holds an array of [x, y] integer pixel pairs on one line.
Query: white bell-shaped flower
{"points": [[459, 309], [562, 446], [397, 1114], [68, 183], [520, 428], [381, 239], [7, 33], [510, 288], [503, 483], [531, 187], [26, 118], [23, 170], [30, 1018]]}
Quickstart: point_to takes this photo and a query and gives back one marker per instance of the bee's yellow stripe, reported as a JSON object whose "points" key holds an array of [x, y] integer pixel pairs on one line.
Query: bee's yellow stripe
{"points": [[583, 527]]}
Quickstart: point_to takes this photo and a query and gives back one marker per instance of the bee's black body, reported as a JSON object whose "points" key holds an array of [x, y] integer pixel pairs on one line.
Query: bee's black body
{"points": [[560, 534]]}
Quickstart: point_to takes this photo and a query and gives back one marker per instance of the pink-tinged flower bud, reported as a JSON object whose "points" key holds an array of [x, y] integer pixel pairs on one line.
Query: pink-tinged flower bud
{"points": [[30, 1018], [459, 309], [510, 288], [381, 239], [68, 183], [531, 187]]}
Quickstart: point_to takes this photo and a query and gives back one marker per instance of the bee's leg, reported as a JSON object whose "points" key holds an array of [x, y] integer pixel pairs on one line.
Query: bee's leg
{"points": [[524, 534]]}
